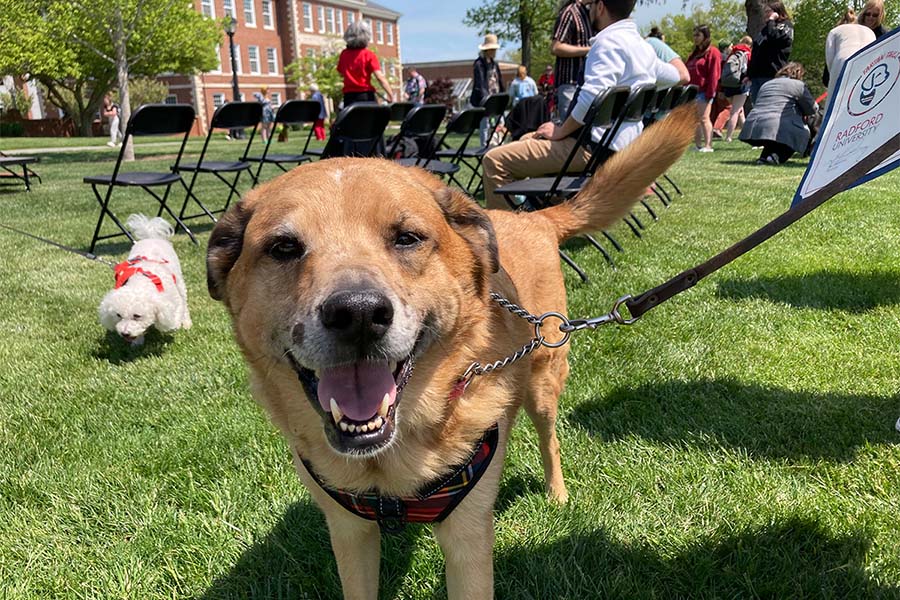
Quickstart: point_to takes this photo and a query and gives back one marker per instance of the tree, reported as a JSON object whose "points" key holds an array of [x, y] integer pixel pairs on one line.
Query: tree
{"points": [[724, 18], [79, 50], [528, 21], [321, 69]]}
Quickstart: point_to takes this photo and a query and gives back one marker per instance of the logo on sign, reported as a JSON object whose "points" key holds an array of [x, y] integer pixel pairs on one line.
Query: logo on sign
{"points": [[875, 84]]}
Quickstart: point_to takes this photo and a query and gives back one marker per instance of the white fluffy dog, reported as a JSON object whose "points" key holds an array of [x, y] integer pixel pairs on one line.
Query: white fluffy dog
{"points": [[150, 289]]}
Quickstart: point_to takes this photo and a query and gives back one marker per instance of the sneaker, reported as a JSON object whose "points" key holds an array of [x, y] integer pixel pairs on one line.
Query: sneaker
{"points": [[227, 137], [772, 160], [111, 144], [728, 140], [705, 150]]}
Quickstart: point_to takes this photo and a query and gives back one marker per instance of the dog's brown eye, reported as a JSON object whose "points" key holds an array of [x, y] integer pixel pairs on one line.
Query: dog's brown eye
{"points": [[285, 249], [406, 239]]}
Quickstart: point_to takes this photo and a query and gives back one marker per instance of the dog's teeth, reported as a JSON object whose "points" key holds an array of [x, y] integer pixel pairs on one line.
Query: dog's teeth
{"points": [[385, 405], [343, 426], [378, 422], [351, 427], [336, 413]]}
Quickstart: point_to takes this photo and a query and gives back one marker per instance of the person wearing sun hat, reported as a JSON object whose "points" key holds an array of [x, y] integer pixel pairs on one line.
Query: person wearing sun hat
{"points": [[486, 78]]}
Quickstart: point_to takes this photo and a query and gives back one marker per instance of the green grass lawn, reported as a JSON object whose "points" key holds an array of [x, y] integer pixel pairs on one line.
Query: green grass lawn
{"points": [[737, 442]]}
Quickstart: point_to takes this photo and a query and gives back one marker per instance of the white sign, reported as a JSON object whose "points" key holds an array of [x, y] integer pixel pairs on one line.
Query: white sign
{"points": [[863, 116]]}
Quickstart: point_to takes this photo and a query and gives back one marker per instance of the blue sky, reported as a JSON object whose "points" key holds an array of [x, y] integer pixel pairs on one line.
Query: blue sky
{"points": [[431, 31]]}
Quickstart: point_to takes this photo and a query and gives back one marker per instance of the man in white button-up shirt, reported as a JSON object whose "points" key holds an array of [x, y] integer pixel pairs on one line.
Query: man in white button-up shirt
{"points": [[618, 56]]}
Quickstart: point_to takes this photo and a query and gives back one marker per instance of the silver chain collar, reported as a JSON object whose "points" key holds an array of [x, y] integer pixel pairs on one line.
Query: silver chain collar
{"points": [[566, 326]]}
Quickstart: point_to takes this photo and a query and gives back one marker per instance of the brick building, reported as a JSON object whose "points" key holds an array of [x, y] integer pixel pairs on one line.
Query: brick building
{"points": [[273, 33]]}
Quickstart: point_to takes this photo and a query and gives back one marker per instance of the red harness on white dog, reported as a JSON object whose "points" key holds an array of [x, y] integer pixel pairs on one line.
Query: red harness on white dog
{"points": [[127, 268]]}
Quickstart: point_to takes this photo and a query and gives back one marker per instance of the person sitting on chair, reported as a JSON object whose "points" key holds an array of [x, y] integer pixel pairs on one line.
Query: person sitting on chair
{"points": [[618, 56]]}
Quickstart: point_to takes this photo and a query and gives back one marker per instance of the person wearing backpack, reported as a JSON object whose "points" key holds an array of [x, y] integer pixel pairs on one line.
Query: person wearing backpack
{"points": [[734, 82]]}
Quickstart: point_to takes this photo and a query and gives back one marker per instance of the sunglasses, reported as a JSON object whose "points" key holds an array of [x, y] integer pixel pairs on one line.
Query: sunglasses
{"points": [[871, 14]]}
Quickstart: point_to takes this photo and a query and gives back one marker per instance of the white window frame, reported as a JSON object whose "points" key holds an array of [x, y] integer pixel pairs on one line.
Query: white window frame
{"points": [[208, 8], [330, 23], [390, 34], [228, 8], [253, 60], [218, 69], [351, 17], [275, 99], [272, 60], [268, 18], [340, 21], [171, 99], [218, 99], [379, 32], [250, 13], [371, 25], [307, 17], [320, 14], [237, 59]]}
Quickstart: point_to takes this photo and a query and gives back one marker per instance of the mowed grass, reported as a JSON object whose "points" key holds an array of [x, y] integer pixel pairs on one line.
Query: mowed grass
{"points": [[737, 442]]}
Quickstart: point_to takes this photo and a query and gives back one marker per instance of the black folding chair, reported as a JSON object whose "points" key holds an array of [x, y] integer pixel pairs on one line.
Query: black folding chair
{"points": [[399, 110], [494, 109], [150, 119], [358, 131], [420, 125], [7, 161], [680, 95], [607, 110], [464, 123], [228, 116], [292, 112]]}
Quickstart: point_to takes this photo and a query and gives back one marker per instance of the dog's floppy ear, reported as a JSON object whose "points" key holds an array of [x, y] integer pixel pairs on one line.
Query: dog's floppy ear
{"points": [[225, 244], [471, 222]]}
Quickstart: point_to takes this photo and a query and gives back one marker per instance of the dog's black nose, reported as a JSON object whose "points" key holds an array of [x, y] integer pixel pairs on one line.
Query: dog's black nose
{"points": [[357, 315]]}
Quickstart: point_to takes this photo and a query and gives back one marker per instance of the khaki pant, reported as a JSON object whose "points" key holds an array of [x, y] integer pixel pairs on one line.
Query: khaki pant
{"points": [[525, 158]]}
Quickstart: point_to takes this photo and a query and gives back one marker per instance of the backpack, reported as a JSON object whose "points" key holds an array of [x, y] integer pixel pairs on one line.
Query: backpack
{"points": [[733, 69], [406, 147]]}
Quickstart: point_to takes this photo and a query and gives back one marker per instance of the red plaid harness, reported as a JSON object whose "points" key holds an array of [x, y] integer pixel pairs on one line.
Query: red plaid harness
{"points": [[127, 268], [431, 504]]}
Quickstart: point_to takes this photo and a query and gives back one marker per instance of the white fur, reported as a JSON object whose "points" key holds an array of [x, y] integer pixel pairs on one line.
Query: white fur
{"points": [[138, 305]]}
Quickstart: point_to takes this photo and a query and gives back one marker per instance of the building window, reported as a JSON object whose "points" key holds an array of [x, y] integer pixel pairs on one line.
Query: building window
{"points": [[208, 8], [390, 33], [320, 12], [228, 8], [371, 26], [253, 59], [276, 99], [349, 18], [379, 32], [340, 22], [218, 100], [329, 18], [218, 68], [307, 16], [272, 60], [171, 99], [250, 13], [237, 58], [268, 22]]}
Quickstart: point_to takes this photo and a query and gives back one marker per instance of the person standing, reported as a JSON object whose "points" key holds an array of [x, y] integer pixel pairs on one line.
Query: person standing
{"points": [[546, 87], [704, 66], [571, 43], [111, 112], [268, 115], [771, 46], [415, 87], [319, 124], [872, 16], [734, 82], [357, 64], [486, 79], [840, 44], [522, 86]]}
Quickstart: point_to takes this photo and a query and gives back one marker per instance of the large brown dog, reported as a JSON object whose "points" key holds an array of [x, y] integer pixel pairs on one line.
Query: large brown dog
{"points": [[343, 275]]}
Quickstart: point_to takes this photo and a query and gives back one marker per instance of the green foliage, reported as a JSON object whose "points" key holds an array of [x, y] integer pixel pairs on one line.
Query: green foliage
{"points": [[17, 99], [78, 51], [725, 18], [15, 129], [530, 22], [440, 91], [144, 90], [813, 19], [321, 69]]}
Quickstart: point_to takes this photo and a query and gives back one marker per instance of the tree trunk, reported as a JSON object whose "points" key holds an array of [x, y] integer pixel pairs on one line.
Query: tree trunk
{"points": [[756, 17], [525, 31], [119, 42]]}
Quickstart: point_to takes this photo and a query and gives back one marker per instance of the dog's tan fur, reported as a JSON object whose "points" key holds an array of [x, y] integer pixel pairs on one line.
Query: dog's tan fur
{"points": [[345, 212]]}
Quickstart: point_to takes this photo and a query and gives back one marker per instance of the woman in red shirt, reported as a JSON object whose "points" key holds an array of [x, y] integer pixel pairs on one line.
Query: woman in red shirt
{"points": [[357, 64], [705, 68]]}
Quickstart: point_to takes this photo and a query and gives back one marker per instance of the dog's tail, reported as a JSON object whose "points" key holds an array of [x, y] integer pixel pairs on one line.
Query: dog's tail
{"points": [[145, 228], [623, 179]]}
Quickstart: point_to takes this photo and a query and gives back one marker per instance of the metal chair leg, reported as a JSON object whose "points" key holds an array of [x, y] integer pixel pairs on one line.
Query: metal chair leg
{"points": [[613, 241], [674, 185], [661, 193], [649, 210], [602, 250], [633, 229], [636, 220], [576, 268]]}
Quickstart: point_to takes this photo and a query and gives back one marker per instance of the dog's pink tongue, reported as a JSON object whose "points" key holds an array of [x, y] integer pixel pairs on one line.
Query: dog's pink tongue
{"points": [[358, 389]]}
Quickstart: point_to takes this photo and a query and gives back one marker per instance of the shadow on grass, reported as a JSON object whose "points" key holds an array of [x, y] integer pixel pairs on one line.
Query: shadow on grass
{"points": [[790, 164], [117, 351], [294, 560], [766, 422], [796, 558], [851, 292]]}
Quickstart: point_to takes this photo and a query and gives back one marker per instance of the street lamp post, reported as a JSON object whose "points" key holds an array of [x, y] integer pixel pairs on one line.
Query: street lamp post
{"points": [[230, 27]]}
